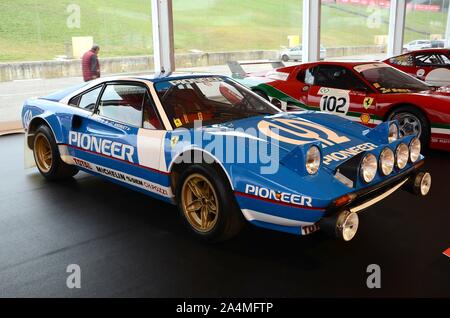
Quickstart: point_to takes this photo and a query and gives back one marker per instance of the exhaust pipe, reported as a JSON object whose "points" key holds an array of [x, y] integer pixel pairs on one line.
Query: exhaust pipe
{"points": [[343, 225]]}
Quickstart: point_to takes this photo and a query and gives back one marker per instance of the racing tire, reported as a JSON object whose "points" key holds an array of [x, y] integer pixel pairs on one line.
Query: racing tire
{"points": [[47, 157], [285, 58], [207, 205], [262, 94], [407, 115]]}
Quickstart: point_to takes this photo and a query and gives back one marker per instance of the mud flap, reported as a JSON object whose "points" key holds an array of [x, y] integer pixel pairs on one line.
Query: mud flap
{"points": [[28, 155]]}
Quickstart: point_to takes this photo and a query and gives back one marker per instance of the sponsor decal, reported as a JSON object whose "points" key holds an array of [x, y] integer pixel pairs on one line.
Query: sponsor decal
{"points": [[368, 101], [124, 177], [394, 90], [27, 119], [376, 85], [347, 153], [196, 80], [113, 123], [365, 118], [334, 100], [308, 229], [285, 197], [364, 67], [177, 122], [300, 132], [174, 140], [420, 72], [102, 146]]}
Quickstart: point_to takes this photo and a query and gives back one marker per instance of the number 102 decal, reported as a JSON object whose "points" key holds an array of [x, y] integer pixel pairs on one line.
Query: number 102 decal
{"points": [[333, 100]]}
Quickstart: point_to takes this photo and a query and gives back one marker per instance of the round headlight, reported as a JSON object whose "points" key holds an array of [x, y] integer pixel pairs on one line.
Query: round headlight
{"points": [[347, 225], [393, 132], [313, 160], [369, 167], [414, 149], [402, 154], [387, 161]]}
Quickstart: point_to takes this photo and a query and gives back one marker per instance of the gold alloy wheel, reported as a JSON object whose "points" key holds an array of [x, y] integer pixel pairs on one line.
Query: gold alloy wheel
{"points": [[199, 203], [43, 153]]}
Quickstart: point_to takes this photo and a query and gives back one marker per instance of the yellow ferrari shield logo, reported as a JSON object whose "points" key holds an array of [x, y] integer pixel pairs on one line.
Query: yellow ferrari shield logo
{"points": [[368, 101]]}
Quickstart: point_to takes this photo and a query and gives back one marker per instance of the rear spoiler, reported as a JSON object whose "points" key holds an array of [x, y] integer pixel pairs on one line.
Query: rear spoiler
{"points": [[238, 71]]}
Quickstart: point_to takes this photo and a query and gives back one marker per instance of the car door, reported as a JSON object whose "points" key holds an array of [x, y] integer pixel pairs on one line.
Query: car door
{"points": [[123, 139], [338, 90]]}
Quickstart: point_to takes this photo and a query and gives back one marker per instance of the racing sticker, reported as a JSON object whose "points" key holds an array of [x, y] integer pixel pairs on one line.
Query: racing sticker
{"points": [[420, 72], [365, 118], [300, 132], [336, 101], [368, 101], [124, 177]]}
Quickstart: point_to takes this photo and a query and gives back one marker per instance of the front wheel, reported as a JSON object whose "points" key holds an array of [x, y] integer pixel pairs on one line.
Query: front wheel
{"points": [[47, 157], [412, 122], [207, 204], [285, 58]]}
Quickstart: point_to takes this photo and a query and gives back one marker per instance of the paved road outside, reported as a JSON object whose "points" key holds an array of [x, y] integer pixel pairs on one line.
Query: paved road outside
{"points": [[13, 94]]}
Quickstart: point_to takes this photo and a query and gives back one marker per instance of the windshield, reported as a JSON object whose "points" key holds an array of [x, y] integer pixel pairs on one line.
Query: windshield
{"points": [[213, 100], [387, 79]]}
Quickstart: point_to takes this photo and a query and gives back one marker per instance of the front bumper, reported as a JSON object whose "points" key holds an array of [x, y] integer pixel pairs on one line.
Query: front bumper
{"points": [[364, 198]]}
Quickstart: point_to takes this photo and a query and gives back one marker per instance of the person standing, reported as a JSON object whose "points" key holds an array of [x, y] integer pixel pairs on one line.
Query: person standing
{"points": [[90, 64]]}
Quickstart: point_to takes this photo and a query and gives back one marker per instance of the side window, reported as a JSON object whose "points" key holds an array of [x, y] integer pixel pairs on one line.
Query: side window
{"points": [[403, 60], [337, 77], [88, 100], [151, 119], [123, 102], [301, 76], [309, 76]]}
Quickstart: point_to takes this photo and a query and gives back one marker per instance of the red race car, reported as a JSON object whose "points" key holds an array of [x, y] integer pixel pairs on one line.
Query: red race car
{"points": [[430, 65], [367, 92]]}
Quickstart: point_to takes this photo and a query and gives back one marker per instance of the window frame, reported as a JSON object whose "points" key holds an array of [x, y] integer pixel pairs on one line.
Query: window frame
{"points": [[356, 76], [129, 83]]}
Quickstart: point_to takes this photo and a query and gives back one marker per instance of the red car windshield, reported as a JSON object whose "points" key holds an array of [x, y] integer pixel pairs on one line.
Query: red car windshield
{"points": [[388, 80], [213, 100]]}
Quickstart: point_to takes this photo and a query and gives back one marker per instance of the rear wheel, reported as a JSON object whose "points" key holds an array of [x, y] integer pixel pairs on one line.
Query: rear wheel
{"points": [[412, 122], [207, 204], [47, 157]]}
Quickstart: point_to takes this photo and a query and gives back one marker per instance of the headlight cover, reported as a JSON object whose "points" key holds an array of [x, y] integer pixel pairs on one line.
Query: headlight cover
{"points": [[393, 132], [313, 159], [414, 149], [387, 161], [368, 168], [402, 155]]}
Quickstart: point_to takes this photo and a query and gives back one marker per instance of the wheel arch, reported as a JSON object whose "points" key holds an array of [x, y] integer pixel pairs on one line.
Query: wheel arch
{"points": [[175, 168], [34, 124], [397, 106]]}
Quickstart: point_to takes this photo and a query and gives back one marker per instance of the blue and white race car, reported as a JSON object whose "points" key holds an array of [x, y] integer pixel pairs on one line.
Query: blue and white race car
{"points": [[222, 153]]}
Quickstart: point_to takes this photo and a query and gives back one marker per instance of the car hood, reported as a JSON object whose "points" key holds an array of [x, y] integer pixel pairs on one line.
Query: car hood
{"points": [[337, 136]]}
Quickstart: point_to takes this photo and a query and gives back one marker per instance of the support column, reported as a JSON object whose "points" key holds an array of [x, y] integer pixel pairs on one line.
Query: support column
{"points": [[447, 30], [311, 31], [163, 46], [396, 27]]}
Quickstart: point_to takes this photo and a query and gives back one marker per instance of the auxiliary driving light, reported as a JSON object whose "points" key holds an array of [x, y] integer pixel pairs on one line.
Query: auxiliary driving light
{"points": [[393, 132], [414, 149], [402, 155], [387, 161], [369, 167], [347, 225], [422, 183]]}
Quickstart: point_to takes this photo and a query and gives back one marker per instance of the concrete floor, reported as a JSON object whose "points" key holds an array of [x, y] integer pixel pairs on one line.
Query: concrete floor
{"points": [[130, 245]]}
